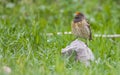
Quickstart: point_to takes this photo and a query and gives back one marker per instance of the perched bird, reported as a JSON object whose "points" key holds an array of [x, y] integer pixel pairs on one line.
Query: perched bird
{"points": [[80, 27]]}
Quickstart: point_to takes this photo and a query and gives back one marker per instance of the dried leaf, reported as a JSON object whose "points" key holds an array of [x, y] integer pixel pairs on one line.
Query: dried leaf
{"points": [[7, 69]]}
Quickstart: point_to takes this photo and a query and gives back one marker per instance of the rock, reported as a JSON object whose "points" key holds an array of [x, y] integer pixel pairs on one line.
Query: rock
{"points": [[83, 53]]}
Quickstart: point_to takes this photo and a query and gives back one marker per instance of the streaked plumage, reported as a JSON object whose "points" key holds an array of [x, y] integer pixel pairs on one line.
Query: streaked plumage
{"points": [[80, 27]]}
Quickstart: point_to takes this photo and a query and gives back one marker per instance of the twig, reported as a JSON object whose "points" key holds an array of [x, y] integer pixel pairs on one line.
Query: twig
{"points": [[108, 35], [95, 35]]}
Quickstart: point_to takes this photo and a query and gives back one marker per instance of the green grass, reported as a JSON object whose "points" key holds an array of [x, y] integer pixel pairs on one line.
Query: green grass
{"points": [[26, 49]]}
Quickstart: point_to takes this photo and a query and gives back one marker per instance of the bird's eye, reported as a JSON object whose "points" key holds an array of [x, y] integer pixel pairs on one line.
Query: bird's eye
{"points": [[76, 17]]}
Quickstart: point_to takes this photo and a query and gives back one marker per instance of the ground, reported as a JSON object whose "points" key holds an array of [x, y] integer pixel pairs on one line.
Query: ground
{"points": [[27, 50]]}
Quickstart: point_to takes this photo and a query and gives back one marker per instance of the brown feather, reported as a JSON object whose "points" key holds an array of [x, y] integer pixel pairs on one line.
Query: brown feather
{"points": [[81, 29], [80, 26]]}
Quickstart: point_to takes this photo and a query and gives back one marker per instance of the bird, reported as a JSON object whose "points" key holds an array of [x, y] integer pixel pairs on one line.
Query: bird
{"points": [[80, 26]]}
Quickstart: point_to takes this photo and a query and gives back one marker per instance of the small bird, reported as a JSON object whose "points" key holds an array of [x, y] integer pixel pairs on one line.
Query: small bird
{"points": [[80, 27]]}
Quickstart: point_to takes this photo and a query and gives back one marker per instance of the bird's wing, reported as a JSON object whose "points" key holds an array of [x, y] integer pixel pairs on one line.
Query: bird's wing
{"points": [[90, 36], [88, 26]]}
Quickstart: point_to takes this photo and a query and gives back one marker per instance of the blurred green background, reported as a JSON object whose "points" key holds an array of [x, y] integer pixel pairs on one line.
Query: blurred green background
{"points": [[26, 49]]}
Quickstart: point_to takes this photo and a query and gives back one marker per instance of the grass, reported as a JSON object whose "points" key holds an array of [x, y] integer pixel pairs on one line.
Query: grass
{"points": [[26, 49]]}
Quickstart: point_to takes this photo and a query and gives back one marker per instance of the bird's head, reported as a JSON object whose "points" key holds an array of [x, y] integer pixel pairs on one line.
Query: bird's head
{"points": [[79, 15]]}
